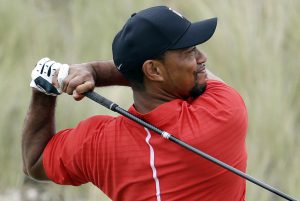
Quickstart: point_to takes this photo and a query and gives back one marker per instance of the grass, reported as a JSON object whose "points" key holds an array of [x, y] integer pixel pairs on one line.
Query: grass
{"points": [[255, 49]]}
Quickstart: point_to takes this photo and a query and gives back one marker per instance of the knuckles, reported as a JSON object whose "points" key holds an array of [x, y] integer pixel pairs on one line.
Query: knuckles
{"points": [[79, 79]]}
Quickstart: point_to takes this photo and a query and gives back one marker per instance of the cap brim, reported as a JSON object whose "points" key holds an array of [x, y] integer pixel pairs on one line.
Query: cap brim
{"points": [[197, 33]]}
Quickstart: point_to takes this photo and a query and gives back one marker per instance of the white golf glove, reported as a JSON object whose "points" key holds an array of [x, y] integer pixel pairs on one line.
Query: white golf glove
{"points": [[43, 73]]}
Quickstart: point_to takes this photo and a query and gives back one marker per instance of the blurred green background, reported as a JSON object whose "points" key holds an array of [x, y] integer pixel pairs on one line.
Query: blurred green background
{"points": [[255, 49]]}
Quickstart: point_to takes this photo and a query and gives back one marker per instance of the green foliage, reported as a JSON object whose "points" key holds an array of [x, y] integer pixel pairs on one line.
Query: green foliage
{"points": [[255, 49]]}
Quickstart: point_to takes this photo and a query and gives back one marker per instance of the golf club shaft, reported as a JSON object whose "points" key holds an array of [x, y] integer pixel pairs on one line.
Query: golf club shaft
{"points": [[114, 107]]}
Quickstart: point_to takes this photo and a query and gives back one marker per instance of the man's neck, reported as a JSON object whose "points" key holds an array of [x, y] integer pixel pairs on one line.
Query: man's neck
{"points": [[145, 102]]}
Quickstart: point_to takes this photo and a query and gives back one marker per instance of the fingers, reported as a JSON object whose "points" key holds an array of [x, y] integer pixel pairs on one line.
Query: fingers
{"points": [[81, 89], [85, 87], [78, 80], [77, 84], [70, 84], [54, 80], [42, 76], [62, 74], [77, 96]]}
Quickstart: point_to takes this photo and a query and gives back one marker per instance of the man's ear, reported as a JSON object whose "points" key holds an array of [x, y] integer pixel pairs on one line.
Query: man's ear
{"points": [[153, 70]]}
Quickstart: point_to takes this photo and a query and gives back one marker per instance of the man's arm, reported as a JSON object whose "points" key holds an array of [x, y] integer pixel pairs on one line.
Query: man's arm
{"points": [[84, 77], [39, 124], [39, 127]]}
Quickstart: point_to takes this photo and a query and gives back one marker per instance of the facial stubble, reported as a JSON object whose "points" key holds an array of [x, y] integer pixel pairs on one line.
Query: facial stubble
{"points": [[198, 89]]}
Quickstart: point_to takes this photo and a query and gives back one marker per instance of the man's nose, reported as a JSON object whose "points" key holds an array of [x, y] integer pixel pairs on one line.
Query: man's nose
{"points": [[200, 56]]}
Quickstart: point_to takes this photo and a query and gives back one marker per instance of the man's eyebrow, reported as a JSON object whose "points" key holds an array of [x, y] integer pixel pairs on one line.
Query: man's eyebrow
{"points": [[189, 49]]}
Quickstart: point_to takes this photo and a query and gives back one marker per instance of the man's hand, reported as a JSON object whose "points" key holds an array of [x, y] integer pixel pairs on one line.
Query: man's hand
{"points": [[85, 77], [48, 76], [43, 73], [80, 79]]}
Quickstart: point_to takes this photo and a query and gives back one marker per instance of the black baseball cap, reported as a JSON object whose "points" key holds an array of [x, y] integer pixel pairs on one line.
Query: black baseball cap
{"points": [[152, 31]]}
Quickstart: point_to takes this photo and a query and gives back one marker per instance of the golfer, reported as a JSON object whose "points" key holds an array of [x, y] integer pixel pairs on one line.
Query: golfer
{"points": [[155, 54]]}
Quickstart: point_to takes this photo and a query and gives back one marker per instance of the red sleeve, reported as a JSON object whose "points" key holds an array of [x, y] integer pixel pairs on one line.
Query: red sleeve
{"points": [[66, 157]]}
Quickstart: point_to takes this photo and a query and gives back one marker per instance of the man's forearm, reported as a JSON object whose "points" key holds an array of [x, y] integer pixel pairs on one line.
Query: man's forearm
{"points": [[39, 127], [85, 76], [106, 74]]}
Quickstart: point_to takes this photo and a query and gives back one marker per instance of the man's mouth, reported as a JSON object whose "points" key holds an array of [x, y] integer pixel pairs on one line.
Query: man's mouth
{"points": [[201, 68]]}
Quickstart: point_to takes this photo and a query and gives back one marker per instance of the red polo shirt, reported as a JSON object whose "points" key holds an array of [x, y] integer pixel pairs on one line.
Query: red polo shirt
{"points": [[128, 162]]}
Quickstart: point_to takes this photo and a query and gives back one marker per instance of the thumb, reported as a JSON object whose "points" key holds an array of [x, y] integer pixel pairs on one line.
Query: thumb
{"points": [[77, 96], [85, 87]]}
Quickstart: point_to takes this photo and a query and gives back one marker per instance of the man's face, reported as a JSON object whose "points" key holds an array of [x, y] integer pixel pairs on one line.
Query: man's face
{"points": [[184, 72]]}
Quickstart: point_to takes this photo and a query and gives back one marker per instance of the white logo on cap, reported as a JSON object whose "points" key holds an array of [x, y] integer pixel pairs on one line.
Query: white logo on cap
{"points": [[177, 13], [119, 67]]}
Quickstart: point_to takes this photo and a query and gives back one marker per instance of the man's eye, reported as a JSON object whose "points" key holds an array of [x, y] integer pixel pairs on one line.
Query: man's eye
{"points": [[193, 50]]}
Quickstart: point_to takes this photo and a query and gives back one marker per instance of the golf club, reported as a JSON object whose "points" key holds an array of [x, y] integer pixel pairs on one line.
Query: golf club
{"points": [[114, 107]]}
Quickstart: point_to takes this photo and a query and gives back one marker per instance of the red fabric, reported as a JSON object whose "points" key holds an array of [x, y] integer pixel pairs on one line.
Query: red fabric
{"points": [[113, 154]]}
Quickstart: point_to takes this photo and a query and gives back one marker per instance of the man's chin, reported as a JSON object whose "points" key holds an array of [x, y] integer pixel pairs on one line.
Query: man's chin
{"points": [[197, 90]]}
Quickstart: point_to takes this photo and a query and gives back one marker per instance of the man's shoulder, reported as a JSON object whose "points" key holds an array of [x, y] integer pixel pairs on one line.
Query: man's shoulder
{"points": [[99, 118], [219, 96], [96, 121], [221, 91], [211, 84]]}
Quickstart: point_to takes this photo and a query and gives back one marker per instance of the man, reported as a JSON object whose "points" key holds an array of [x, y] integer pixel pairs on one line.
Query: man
{"points": [[155, 54]]}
